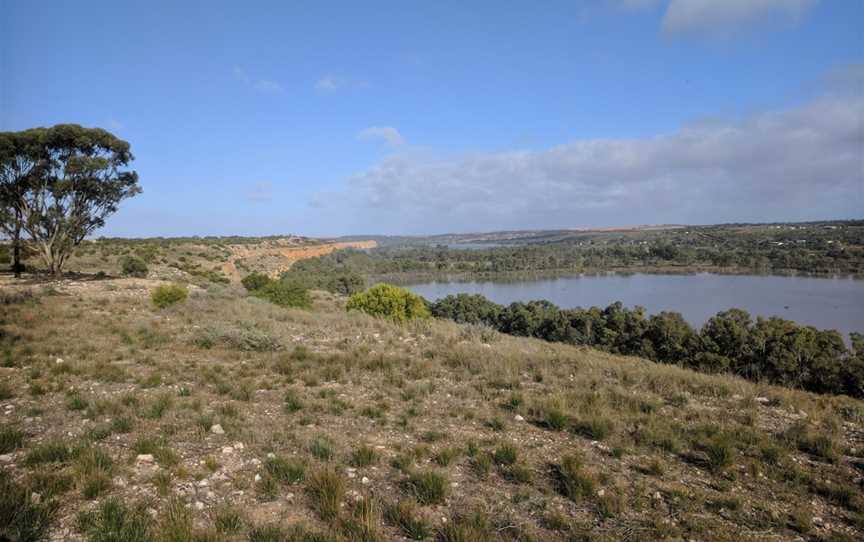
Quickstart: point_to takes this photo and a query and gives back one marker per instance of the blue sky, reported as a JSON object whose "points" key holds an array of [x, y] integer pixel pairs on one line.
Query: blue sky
{"points": [[330, 118]]}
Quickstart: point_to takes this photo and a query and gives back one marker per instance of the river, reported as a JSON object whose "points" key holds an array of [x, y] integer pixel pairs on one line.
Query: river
{"points": [[826, 303]]}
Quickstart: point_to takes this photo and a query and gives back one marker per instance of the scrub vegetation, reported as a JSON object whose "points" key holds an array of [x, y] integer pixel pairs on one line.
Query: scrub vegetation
{"points": [[229, 417]]}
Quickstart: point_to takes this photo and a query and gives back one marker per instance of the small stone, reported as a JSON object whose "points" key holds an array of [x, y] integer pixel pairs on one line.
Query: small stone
{"points": [[199, 505], [227, 450], [763, 400], [35, 498], [657, 496], [352, 475], [365, 481], [203, 483], [217, 430], [238, 445], [271, 455], [518, 418], [144, 458], [257, 477], [6, 458], [601, 492], [58, 361]]}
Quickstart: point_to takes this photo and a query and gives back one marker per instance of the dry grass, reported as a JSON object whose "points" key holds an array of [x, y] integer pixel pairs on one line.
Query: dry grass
{"points": [[345, 427]]}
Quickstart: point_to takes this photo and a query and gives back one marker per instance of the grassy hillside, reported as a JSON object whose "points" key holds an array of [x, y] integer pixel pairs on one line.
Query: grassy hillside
{"points": [[227, 418]]}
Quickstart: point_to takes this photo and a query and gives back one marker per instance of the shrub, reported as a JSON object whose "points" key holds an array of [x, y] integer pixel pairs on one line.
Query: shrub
{"points": [[284, 294], [10, 439], [326, 489], [21, 518], [390, 302], [131, 266], [163, 296], [405, 516], [255, 281], [427, 487], [570, 480]]}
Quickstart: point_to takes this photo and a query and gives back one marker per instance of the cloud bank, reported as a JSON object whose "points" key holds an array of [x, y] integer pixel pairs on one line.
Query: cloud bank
{"points": [[728, 16], [804, 162], [718, 17]]}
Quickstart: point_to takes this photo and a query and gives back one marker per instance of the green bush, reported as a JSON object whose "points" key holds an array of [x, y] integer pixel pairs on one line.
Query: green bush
{"points": [[284, 294], [255, 281], [22, 518], [170, 294], [131, 266], [389, 301]]}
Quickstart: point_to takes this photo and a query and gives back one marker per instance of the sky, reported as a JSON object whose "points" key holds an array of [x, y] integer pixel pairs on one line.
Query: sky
{"points": [[336, 118]]}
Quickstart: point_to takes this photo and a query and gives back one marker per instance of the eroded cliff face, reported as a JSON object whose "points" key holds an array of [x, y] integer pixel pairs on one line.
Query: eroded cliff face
{"points": [[274, 257]]}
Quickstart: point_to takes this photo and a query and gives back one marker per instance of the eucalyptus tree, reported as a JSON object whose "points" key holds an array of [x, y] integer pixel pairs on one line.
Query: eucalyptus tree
{"points": [[19, 161], [80, 179]]}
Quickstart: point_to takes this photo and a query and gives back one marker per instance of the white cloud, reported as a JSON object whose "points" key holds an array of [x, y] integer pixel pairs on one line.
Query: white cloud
{"points": [[726, 17], [386, 133], [803, 162], [328, 83], [334, 83], [265, 86]]}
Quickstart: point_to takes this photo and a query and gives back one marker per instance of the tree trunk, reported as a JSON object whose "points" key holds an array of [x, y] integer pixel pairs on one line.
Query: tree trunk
{"points": [[16, 246], [16, 254]]}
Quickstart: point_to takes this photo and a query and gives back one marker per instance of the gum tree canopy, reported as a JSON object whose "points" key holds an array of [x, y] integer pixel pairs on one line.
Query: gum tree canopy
{"points": [[19, 159], [77, 180]]}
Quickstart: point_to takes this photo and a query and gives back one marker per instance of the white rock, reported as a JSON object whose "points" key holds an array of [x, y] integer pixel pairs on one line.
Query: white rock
{"points": [[6, 458], [217, 430], [144, 458], [271, 455], [763, 400], [365, 480], [199, 505], [58, 361], [238, 445], [518, 418], [257, 477], [227, 450]]}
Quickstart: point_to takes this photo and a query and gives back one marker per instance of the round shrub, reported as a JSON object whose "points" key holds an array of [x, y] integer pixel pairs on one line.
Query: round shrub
{"points": [[284, 293], [170, 294], [388, 301], [255, 281], [131, 266]]}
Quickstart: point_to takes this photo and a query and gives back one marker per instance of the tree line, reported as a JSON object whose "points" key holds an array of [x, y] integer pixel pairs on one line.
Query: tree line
{"points": [[819, 249], [57, 186], [773, 350]]}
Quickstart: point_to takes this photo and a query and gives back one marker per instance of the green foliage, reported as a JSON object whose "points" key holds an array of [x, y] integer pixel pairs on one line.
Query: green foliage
{"points": [[284, 294], [467, 309], [166, 295], [391, 302], [773, 349], [78, 183], [21, 519], [326, 489], [131, 266], [571, 481], [10, 439], [255, 281], [427, 487]]}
